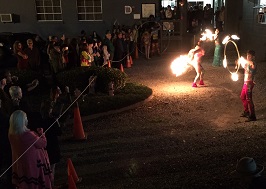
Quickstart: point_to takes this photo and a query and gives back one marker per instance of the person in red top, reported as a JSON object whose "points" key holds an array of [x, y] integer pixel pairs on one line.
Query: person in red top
{"points": [[21, 56], [246, 93]]}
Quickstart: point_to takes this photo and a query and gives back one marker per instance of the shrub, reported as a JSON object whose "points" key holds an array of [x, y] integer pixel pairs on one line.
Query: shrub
{"points": [[79, 78], [130, 94]]}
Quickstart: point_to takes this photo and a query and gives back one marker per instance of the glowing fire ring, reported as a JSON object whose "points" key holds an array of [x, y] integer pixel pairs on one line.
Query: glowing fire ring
{"points": [[225, 60]]}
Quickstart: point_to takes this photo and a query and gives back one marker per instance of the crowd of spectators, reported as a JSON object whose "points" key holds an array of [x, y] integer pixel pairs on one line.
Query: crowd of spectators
{"points": [[200, 18]]}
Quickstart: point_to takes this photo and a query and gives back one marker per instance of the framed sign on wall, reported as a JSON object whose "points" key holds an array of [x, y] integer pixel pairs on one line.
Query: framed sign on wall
{"points": [[147, 9]]}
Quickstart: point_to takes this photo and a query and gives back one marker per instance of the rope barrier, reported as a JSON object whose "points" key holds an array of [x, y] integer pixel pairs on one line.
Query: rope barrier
{"points": [[57, 119]]}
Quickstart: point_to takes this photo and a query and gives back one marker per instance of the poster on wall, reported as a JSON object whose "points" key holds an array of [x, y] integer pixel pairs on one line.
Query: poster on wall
{"points": [[147, 9]]}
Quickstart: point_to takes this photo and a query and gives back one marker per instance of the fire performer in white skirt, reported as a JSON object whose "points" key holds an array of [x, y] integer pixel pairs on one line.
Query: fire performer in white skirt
{"points": [[195, 60]]}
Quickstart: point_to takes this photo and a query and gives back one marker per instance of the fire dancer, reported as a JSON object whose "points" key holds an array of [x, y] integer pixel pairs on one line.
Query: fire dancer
{"points": [[217, 60], [195, 60], [246, 93]]}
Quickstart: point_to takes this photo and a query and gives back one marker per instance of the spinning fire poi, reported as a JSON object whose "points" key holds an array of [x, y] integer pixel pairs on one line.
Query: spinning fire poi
{"points": [[193, 58], [181, 64], [229, 39]]}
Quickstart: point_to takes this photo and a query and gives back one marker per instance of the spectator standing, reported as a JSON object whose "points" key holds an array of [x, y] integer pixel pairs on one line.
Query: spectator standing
{"points": [[33, 56], [95, 37], [169, 13], [155, 39], [91, 53], [55, 60], [216, 16], [119, 50], [20, 103], [208, 17], [221, 19], [5, 149], [176, 13], [85, 57], [73, 53], [162, 13], [110, 47], [31, 169], [50, 110], [5, 101], [106, 55], [21, 56], [97, 50], [146, 41], [65, 59], [12, 80], [51, 42]]}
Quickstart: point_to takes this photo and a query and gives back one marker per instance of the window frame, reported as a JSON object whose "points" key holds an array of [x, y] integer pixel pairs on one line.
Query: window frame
{"points": [[48, 14], [87, 14], [260, 12]]}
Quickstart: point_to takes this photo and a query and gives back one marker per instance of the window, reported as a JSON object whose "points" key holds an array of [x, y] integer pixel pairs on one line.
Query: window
{"points": [[263, 2], [48, 10], [261, 11], [89, 10], [172, 3]]}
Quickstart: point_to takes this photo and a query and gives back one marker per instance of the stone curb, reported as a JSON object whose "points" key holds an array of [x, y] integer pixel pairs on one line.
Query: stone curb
{"points": [[95, 116]]}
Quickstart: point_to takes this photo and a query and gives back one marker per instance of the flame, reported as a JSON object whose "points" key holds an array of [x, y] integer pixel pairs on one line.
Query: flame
{"points": [[225, 62], [242, 61], [207, 35], [180, 65], [226, 39], [235, 37], [234, 76]]}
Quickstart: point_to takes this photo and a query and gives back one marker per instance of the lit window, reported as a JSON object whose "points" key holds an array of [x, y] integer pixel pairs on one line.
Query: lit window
{"points": [[261, 11], [263, 2], [89, 10], [172, 3], [48, 10]]}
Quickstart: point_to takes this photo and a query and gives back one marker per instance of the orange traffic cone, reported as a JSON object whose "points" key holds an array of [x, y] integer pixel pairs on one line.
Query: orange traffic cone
{"points": [[71, 183], [121, 68], [136, 52], [128, 62], [72, 172], [131, 61], [78, 131]]}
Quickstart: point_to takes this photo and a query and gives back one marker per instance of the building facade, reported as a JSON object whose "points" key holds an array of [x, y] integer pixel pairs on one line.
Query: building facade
{"points": [[69, 17]]}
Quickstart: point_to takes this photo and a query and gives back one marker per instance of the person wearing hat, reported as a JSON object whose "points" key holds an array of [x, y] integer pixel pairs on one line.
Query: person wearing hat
{"points": [[248, 174]]}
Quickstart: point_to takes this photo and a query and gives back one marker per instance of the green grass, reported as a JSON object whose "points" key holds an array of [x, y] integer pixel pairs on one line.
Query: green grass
{"points": [[101, 102], [130, 94]]}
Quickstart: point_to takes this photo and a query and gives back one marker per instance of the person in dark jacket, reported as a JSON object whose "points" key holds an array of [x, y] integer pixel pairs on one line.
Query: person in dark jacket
{"points": [[110, 47], [119, 50], [50, 110]]}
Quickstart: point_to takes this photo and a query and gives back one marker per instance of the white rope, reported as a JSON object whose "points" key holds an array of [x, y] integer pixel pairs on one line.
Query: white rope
{"points": [[56, 121]]}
